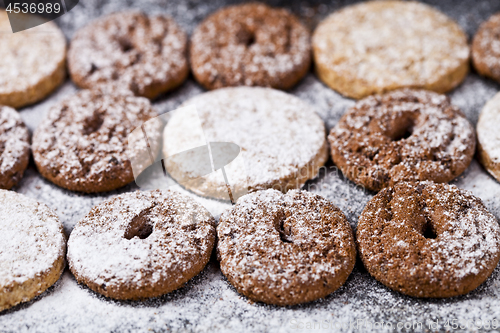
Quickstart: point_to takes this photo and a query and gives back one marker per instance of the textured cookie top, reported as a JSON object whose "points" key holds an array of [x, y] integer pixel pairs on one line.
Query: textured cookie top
{"points": [[250, 44], [83, 140], [486, 48], [271, 243], [385, 45], [403, 135], [488, 134], [14, 139], [278, 135], [431, 240], [146, 54], [29, 56], [137, 239], [31, 238]]}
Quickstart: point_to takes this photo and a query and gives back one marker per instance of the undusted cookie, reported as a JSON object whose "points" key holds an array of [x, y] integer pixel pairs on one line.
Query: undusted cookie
{"points": [[486, 48], [32, 248], [141, 244], [252, 45], [146, 54], [33, 62], [82, 144], [14, 147], [405, 135], [285, 249], [488, 136], [282, 140], [428, 240], [378, 46]]}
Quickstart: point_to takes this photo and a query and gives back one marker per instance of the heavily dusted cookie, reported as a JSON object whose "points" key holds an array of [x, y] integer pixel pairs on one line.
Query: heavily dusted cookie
{"points": [[282, 141], [404, 135], [428, 240], [32, 248], [488, 137], [285, 249], [33, 62], [146, 54], [250, 44], [14, 147], [378, 46], [141, 244], [486, 48], [82, 143]]}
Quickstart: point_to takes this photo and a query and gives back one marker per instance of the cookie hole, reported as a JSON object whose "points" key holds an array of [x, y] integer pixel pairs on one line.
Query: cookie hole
{"points": [[140, 226], [93, 123], [285, 231], [402, 129], [125, 45], [429, 233], [251, 40], [405, 134]]}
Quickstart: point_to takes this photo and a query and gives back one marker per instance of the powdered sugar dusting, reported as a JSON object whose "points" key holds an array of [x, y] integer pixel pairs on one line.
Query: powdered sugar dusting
{"points": [[487, 129], [14, 141]]}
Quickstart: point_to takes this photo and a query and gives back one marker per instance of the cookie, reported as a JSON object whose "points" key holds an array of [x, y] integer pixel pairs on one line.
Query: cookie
{"points": [[428, 240], [14, 147], [488, 137], [252, 45], [404, 135], [33, 62], [146, 54], [141, 244], [282, 141], [285, 249], [32, 248], [486, 48], [82, 143], [378, 46]]}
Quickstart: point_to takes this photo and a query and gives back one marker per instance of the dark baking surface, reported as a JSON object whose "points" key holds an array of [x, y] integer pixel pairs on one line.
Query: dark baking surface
{"points": [[208, 302]]}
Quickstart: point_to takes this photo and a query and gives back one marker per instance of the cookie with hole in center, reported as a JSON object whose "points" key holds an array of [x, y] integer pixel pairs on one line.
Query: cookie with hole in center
{"points": [[405, 135], [285, 249], [250, 44], [141, 244], [428, 240], [82, 143]]}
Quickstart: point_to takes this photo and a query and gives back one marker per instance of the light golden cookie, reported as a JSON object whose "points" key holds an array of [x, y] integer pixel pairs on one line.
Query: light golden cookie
{"points": [[32, 248], [379, 46], [486, 50], [33, 62], [282, 141], [488, 136]]}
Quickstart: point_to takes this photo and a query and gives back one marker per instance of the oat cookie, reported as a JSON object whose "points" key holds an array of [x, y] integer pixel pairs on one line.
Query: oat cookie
{"points": [[486, 48], [33, 62], [252, 45], [32, 248], [488, 137], [378, 46], [404, 135], [146, 54], [428, 240], [82, 144], [141, 244], [14, 147]]}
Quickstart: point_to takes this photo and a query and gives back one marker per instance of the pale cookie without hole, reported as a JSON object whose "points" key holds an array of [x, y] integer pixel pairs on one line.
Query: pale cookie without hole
{"points": [[14, 147], [141, 244], [282, 140], [33, 62], [32, 248], [379, 46], [488, 136]]}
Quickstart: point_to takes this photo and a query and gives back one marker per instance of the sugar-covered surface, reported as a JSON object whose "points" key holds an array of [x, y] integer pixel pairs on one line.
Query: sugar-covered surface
{"points": [[208, 302]]}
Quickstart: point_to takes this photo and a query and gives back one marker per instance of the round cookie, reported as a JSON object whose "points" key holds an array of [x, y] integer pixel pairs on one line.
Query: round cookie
{"points": [[82, 143], [14, 147], [486, 48], [404, 135], [282, 141], [32, 248], [428, 240], [252, 45], [33, 62], [146, 54], [285, 249], [378, 46], [141, 244], [488, 137]]}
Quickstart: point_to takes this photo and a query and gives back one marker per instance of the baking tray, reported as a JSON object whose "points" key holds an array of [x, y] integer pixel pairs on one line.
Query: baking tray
{"points": [[208, 303]]}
